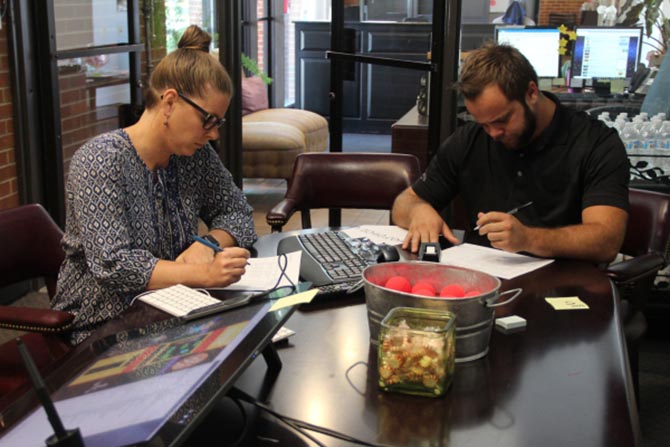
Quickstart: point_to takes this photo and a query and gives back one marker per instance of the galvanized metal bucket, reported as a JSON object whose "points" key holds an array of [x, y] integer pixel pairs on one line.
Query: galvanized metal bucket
{"points": [[474, 315]]}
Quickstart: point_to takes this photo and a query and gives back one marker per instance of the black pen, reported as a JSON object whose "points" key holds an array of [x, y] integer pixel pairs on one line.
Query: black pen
{"points": [[513, 211], [41, 391]]}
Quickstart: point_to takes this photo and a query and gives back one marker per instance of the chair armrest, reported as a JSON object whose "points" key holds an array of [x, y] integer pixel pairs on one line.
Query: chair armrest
{"points": [[35, 320], [280, 214], [635, 268]]}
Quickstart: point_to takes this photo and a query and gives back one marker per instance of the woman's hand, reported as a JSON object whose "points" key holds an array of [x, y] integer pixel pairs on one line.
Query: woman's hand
{"points": [[197, 253], [227, 267]]}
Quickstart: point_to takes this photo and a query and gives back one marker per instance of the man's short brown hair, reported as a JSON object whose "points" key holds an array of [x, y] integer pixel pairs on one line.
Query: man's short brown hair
{"points": [[501, 65]]}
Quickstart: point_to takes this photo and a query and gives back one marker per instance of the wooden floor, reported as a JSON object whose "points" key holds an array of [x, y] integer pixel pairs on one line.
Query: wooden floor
{"points": [[263, 194]]}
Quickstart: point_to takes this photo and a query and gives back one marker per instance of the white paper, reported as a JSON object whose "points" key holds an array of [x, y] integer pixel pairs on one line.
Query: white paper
{"points": [[492, 261], [379, 234], [262, 273]]}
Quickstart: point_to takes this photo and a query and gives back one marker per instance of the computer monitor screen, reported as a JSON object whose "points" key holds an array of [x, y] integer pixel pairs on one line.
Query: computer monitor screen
{"points": [[609, 53], [538, 45]]}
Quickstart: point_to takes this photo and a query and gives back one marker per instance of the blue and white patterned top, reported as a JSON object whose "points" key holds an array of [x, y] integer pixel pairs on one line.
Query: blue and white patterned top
{"points": [[122, 218]]}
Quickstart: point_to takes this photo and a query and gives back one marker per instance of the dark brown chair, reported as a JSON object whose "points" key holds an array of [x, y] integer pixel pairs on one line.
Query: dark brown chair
{"points": [[647, 243], [31, 249], [343, 180]]}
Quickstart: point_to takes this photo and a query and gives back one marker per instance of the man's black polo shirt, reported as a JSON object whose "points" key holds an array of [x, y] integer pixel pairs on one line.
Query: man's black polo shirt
{"points": [[577, 162]]}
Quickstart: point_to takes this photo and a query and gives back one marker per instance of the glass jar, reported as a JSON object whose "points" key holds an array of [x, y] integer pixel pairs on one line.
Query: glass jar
{"points": [[416, 351]]}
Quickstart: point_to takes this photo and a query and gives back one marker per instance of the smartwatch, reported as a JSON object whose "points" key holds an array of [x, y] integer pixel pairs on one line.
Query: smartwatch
{"points": [[211, 239]]}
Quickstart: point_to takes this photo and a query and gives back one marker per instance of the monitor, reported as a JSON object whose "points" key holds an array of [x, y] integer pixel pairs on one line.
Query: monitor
{"points": [[538, 45], [606, 53], [474, 35]]}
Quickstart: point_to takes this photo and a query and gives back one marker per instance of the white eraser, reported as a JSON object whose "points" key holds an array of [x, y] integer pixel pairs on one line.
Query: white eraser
{"points": [[511, 322]]}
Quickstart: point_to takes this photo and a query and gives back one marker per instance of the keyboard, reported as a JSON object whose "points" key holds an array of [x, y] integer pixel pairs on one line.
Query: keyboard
{"points": [[187, 303], [331, 260]]}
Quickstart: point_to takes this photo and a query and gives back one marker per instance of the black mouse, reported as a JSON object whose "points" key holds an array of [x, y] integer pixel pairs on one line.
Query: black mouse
{"points": [[387, 253]]}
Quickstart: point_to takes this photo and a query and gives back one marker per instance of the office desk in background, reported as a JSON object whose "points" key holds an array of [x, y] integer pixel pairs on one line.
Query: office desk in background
{"points": [[563, 381]]}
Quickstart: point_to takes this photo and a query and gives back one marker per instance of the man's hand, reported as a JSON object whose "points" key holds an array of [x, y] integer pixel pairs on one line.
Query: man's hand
{"points": [[503, 230], [426, 225], [597, 239], [422, 222]]}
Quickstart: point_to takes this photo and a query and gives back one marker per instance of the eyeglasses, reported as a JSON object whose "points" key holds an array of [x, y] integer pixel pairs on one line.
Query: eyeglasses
{"points": [[209, 120]]}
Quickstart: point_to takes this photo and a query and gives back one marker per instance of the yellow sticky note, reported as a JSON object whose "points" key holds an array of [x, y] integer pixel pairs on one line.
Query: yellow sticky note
{"points": [[567, 303], [292, 300], [617, 86]]}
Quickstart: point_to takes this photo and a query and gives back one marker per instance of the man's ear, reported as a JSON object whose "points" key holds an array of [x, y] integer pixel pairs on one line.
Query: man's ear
{"points": [[533, 92]]}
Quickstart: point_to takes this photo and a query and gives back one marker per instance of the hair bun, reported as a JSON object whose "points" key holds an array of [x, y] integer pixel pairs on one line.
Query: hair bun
{"points": [[195, 38]]}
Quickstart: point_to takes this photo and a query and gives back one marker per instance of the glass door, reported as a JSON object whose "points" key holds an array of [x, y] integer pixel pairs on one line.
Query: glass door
{"points": [[77, 70], [388, 63]]}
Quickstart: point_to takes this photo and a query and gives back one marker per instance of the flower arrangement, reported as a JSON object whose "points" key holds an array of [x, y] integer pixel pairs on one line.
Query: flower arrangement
{"points": [[566, 43]]}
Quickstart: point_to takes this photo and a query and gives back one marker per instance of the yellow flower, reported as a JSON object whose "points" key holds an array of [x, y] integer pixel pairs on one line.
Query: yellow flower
{"points": [[572, 35], [563, 29]]}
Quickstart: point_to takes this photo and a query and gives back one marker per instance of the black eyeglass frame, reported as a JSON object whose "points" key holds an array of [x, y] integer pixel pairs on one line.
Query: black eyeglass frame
{"points": [[207, 117]]}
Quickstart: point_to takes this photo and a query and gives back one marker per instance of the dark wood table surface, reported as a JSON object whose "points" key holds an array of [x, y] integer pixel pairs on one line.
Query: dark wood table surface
{"points": [[563, 381]]}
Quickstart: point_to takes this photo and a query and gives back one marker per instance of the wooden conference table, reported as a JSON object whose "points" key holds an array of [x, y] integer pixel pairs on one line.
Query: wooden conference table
{"points": [[562, 381]]}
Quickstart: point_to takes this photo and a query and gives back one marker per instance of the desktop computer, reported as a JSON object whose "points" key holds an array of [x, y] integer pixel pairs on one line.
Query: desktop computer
{"points": [[539, 45], [603, 54]]}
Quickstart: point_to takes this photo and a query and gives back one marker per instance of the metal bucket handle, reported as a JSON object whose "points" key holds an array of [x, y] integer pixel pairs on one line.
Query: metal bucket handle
{"points": [[491, 302]]}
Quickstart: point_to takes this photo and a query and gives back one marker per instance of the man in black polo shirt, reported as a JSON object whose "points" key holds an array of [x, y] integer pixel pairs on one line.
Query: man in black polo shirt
{"points": [[523, 146]]}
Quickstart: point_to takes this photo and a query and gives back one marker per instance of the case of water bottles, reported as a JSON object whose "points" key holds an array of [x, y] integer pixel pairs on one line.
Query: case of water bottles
{"points": [[646, 138]]}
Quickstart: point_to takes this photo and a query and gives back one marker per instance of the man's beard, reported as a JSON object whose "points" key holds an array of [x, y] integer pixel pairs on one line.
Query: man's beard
{"points": [[530, 124]]}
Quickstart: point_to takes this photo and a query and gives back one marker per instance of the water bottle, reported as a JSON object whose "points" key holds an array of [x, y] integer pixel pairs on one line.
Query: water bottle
{"points": [[647, 136], [619, 124], [630, 137], [663, 136]]}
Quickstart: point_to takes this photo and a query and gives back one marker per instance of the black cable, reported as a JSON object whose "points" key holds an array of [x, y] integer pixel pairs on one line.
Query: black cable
{"points": [[245, 424], [299, 425], [282, 261], [346, 376]]}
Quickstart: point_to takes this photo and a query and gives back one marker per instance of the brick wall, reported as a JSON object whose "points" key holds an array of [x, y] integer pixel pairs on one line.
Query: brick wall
{"points": [[558, 6], [9, 193], [81, 119]]}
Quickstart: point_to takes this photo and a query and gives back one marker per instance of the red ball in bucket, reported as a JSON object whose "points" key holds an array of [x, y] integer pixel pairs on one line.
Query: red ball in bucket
{"points": [[399, 283], [423, 288], [473, 292], [423, 292], [452, 291]]}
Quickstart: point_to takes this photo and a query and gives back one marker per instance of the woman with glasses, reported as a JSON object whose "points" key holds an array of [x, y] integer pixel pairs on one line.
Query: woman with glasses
{"points": [[135, 196]]}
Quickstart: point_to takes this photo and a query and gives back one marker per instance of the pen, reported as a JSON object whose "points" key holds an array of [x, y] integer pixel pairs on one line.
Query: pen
{"points": [[216, 248], [513, 211], [40, 389]]}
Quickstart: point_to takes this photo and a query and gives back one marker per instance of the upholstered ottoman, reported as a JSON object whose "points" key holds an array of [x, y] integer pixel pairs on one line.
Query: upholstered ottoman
{"points": [[269, 149], [271, 139]]}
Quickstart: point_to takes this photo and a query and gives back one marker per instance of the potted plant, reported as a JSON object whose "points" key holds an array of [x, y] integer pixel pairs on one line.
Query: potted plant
{"points": [[654, 18]]}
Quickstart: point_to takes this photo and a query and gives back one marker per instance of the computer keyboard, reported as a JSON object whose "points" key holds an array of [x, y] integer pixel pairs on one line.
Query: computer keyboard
{"points": [[331, 260], [187, 303]]}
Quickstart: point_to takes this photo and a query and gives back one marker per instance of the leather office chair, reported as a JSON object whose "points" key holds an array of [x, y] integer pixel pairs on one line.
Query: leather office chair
{"points": [[31, 248], [647, 243], [343, 180]]}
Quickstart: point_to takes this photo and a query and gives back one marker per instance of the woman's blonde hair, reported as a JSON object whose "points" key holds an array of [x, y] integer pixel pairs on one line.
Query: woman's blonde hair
{"points": [[189, 69]]}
